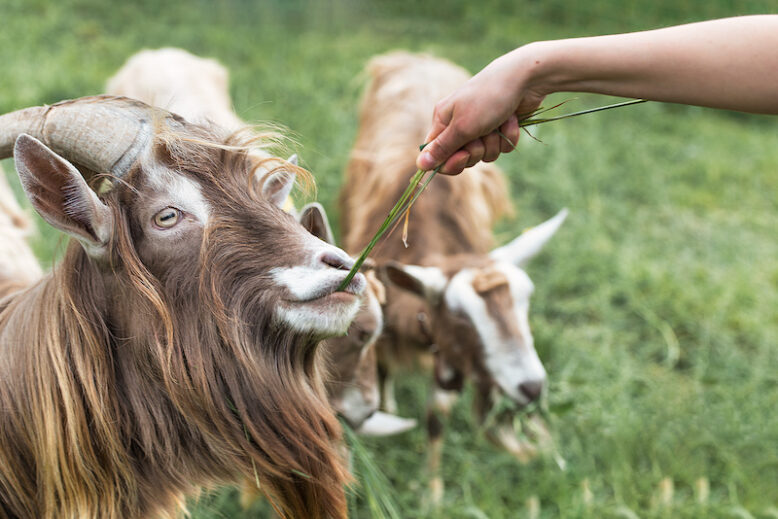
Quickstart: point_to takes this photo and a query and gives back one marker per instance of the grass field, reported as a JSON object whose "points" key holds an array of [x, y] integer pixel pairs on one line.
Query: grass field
{"points": [[655, 309]]}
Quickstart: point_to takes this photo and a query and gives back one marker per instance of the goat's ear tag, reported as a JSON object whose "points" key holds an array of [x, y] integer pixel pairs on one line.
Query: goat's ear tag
{"points": [[59, 193], [314, 218], [426, 282], [278, 186]]}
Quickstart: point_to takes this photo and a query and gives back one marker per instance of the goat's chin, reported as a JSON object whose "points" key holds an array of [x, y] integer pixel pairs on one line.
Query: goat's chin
{"points": [[324, 317]]}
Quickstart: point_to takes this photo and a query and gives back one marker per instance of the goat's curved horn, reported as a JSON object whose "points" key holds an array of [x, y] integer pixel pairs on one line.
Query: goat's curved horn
{"points": [[106, 134]]}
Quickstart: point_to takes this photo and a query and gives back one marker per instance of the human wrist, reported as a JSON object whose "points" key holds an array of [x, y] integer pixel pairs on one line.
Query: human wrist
{"points": [[538, 69]]}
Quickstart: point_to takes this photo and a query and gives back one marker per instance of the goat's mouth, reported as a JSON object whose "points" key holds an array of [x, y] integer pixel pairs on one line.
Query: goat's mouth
{"points": [[328, 291], [315, 304]]}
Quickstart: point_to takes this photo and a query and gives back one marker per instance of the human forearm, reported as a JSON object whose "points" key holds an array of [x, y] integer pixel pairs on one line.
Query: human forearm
{"points": [[730, 63]]}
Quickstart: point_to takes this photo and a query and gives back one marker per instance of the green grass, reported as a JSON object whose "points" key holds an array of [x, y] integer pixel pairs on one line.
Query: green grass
{"points": [[655, 309]]}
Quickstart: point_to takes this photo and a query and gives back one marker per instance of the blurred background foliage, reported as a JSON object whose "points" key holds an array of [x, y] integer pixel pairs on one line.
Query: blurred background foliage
{"points": [[655, 309]]}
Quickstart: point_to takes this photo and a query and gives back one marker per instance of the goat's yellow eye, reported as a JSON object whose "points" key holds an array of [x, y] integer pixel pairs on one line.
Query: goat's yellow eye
{"points": [[167, 218]]}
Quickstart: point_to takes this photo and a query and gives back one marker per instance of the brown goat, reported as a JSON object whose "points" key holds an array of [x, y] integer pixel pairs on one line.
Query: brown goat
{"points": [[174, 347], [449, 296], [197, 89]]}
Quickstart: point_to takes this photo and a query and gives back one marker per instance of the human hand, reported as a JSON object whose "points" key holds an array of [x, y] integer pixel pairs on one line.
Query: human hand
{"points": [[466, 123]]}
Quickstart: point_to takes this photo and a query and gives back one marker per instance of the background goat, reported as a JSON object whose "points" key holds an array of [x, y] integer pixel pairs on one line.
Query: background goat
{"points": [[176, 80], [450, 296], [18, 265], [175, 345]]}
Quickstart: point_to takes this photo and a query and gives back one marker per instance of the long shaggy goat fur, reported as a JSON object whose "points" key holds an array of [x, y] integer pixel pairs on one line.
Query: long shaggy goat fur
{"points": [[127, 385]]}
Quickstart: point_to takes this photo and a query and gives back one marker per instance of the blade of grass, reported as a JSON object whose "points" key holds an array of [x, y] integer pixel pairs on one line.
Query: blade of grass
{"points": [[376, 489], [384, 226], [542, 120]]}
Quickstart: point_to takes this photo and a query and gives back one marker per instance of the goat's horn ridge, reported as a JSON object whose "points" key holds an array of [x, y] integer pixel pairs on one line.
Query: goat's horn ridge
{"points": [[106, 134]]}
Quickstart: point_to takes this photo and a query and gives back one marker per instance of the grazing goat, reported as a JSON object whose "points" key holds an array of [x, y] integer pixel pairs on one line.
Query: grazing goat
{"points": [[353, 383], [175, 345], [449, 295], [18, 266]]}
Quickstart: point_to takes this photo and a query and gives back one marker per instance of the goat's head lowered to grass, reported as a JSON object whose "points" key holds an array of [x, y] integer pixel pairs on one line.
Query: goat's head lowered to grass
{"points": [[178, 341], [352, 384], [479, 322]]}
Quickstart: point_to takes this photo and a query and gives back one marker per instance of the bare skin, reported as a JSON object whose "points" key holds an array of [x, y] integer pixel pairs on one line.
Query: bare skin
{"points": [[730, 63]]}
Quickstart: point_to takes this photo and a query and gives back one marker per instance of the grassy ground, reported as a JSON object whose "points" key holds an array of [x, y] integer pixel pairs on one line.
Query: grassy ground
{"points": [[655, 310]]}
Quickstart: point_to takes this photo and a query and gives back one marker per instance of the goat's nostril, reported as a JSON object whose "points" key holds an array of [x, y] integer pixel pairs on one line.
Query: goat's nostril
{"points": [[338, 261], [531, 390]]}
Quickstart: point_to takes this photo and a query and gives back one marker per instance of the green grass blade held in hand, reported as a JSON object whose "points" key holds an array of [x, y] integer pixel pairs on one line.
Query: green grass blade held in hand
{"points": [[408, 197]]}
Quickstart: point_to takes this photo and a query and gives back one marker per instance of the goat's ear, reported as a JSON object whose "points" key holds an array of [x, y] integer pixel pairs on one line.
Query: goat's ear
{"points": [[427, 282], [530, 242], [59, 193], [314, 218], [293, 160], [278, 186], [379, 290], [385, 424]]}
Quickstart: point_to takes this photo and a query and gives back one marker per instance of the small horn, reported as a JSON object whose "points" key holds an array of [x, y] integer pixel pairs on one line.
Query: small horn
{"points": [[106, 134]]}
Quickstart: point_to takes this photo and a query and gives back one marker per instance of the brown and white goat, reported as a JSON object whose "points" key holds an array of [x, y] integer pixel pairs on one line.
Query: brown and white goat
{"points": [[352, 385], [450, 295], [197, 89], [18, 266], [174, 347]]}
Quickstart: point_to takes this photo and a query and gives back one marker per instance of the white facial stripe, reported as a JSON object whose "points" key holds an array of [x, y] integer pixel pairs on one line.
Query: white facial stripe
{"points": [[182, 192], [509, 362]]}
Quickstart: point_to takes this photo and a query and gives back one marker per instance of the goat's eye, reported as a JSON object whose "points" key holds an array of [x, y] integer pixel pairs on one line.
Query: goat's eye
{"points": [[167, 218]]}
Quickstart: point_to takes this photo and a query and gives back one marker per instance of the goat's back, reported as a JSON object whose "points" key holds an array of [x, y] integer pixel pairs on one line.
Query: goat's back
{"points": [[455, 214], [174, 79]]}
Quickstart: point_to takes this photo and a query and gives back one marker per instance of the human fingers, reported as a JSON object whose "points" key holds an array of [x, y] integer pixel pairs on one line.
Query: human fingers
{"points": [[456, 163], [510, 129], [476, 150], [435, 153], [451, 139], [491, 146]]}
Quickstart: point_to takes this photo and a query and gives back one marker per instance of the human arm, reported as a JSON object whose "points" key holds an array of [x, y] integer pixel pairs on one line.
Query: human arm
{"points": [[730, 63]]}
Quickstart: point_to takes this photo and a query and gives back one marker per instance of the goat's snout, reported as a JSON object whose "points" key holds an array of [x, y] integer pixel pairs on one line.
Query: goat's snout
{"points": [[531, 389], [334, 258], [337, 260]]}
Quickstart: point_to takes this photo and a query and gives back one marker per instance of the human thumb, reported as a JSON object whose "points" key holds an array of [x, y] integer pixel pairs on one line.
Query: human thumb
{"points": [[437, 151]]}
